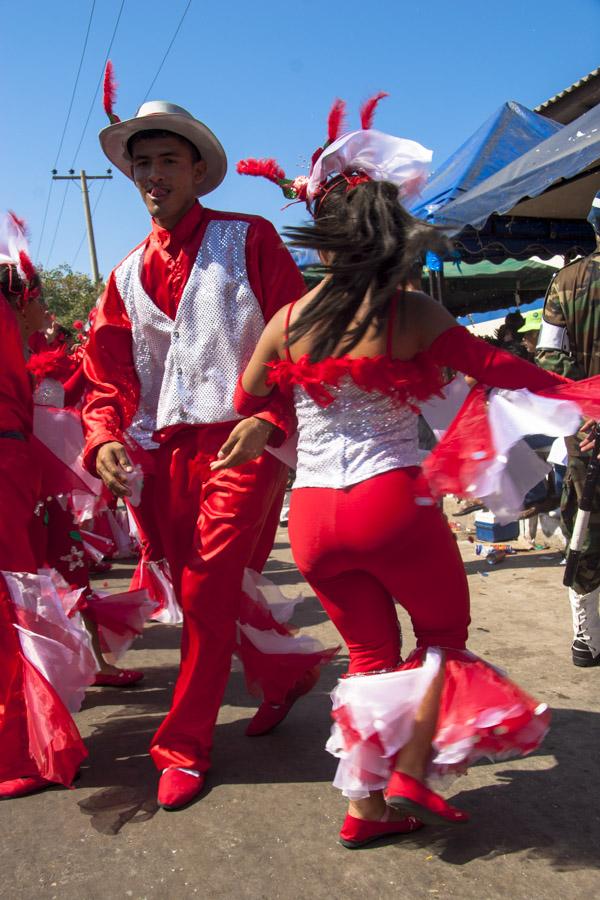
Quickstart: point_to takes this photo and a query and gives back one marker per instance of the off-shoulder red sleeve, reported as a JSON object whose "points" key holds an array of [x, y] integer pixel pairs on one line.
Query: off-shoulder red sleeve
{"points": [[113, 388], [458, 349]]}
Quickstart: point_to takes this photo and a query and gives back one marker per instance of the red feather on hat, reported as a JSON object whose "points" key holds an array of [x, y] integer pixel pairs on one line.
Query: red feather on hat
{"points": [[27, 266], [110, 93], [20, 224], [335, 120], [367, 110], [264, 168]]}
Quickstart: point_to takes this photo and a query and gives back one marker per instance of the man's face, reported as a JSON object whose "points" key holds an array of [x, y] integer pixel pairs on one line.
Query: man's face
{"points": [[530, 339], [166, 176]]}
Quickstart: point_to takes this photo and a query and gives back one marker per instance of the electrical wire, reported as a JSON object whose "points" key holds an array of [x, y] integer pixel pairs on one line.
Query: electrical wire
{"points": [[84, 235], [168, 50], [93, 103], [64, 131], [85, 43], [60, 213]]}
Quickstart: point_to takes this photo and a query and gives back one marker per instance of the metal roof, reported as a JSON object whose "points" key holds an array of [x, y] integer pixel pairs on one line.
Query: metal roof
{"points": [[574, 100]]}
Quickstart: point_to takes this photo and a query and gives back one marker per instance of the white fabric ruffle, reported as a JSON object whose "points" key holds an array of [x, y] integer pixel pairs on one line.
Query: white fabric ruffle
{"points": [[56, 645], [383, 708]]}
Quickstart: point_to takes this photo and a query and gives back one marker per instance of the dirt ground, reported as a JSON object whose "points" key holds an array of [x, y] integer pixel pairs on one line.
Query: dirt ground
{"points": [[267, 823]]}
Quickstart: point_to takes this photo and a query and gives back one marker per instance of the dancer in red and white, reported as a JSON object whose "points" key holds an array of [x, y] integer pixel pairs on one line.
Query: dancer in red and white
{"points": [[45, 661], [176, 325], [71, 500], [358, 354]]}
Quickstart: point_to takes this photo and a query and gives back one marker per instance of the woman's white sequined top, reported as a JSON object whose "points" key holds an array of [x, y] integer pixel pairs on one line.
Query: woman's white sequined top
{"points": [[359, 435]]}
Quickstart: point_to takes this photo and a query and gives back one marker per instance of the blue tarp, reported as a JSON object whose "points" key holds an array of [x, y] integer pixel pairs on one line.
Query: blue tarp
{"points": [[511, 131], [570, 154]]}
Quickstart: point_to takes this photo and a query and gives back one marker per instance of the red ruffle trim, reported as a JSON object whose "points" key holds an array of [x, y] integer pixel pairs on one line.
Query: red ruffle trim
{"points": [[407, 382]]}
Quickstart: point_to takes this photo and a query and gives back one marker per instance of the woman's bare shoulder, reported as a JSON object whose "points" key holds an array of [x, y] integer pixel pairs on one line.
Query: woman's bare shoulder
{"points": [[428, 317]]}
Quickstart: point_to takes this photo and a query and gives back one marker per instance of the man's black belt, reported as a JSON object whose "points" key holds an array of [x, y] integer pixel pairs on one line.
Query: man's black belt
{"points": [[14, 435]]}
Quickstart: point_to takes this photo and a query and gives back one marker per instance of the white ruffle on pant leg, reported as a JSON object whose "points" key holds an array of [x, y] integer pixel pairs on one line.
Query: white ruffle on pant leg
{"points": [[374, 717]]}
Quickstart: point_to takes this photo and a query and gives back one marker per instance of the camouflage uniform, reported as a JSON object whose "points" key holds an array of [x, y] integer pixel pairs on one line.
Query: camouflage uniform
{"points": [[569, 344]]}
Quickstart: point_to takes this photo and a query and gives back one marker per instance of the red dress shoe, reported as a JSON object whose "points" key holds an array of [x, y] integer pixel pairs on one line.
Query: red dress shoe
{"points": [[178, 787], [20, 787], [269, 715], [411, 796], [122, 679], [357, 833]]}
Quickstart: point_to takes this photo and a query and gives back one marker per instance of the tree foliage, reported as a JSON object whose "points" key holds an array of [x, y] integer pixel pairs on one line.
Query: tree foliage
{"points": [[69, 295]]}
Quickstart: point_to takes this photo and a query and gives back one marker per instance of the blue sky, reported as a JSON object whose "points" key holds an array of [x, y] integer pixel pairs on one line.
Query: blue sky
{"points": [[262, 75]]}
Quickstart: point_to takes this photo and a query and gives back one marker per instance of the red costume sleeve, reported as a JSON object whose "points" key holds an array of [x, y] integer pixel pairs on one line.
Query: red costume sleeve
{"points": [[458, 349], [74, 386], [113, 386], [275, 281]]}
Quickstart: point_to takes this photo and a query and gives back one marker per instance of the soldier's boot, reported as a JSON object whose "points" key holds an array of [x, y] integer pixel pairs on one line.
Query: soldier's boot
{"points": [[586, 628]]}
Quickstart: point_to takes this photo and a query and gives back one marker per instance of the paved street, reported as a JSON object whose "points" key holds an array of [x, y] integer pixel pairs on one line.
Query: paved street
{"points": [[266, 826]]}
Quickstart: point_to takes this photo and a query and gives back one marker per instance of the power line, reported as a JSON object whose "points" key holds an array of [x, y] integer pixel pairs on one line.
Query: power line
{"points": [[64, 131], [84, 235], [43, 228], [168, 50], [93, 103], [60, 213], [85, 43]]}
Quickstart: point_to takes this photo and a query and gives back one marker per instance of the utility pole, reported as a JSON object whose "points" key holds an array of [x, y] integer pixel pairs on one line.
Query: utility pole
{"points": [[84, 178]]}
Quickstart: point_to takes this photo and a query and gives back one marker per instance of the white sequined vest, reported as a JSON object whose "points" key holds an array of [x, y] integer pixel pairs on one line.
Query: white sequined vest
{"points": [[188, 367]]}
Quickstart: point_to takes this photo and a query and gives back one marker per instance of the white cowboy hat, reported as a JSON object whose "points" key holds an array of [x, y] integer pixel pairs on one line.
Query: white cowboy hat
{"points": [[165, 116]]}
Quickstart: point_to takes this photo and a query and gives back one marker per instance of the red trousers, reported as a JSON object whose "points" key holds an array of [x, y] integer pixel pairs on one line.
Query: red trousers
{"points": [[212, 525], [362, 547]]}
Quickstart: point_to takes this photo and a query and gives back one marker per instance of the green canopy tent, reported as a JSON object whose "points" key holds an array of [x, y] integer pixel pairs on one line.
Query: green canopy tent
{"points": [[483, 286]]}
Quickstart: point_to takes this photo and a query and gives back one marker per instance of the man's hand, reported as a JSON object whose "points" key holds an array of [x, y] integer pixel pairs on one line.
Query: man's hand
{"points": [[589, 428], [247, 441], [113, 466]]}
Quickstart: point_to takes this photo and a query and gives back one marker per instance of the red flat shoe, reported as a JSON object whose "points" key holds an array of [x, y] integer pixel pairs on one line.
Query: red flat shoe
{"points": [[178, 788], [357, 833], [20, 787], [412, 797], [123, 679], [269, 715]]}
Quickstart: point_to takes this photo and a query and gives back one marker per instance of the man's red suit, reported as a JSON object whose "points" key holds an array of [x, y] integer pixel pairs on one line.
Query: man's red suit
{"points": [[210, 523]]}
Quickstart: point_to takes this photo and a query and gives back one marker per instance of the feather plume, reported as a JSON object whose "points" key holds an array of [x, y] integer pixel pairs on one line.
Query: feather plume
{"points": [[27, 267], [19, 224], [335, 120], [367, 110], [55, 364], [265, 168], [110, 93]]}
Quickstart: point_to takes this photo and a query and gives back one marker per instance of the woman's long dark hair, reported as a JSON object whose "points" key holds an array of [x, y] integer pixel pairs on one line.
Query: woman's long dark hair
{"points": [[374, 244]]}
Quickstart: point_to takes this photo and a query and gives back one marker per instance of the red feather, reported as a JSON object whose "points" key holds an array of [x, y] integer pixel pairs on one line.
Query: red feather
{"points": [[335, 120], [20, 224], [27, 266], [55, 364], [265, 168], [367, 110], [110, 93]]}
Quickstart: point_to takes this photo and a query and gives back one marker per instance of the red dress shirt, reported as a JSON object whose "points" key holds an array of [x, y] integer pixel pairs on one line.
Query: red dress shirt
{"points": [[16, 401], [113, 389]]}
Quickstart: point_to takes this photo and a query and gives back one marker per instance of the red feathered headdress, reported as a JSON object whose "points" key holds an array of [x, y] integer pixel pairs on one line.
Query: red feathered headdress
{"points": [[296, 189], [14, 252], [110, 93]]}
